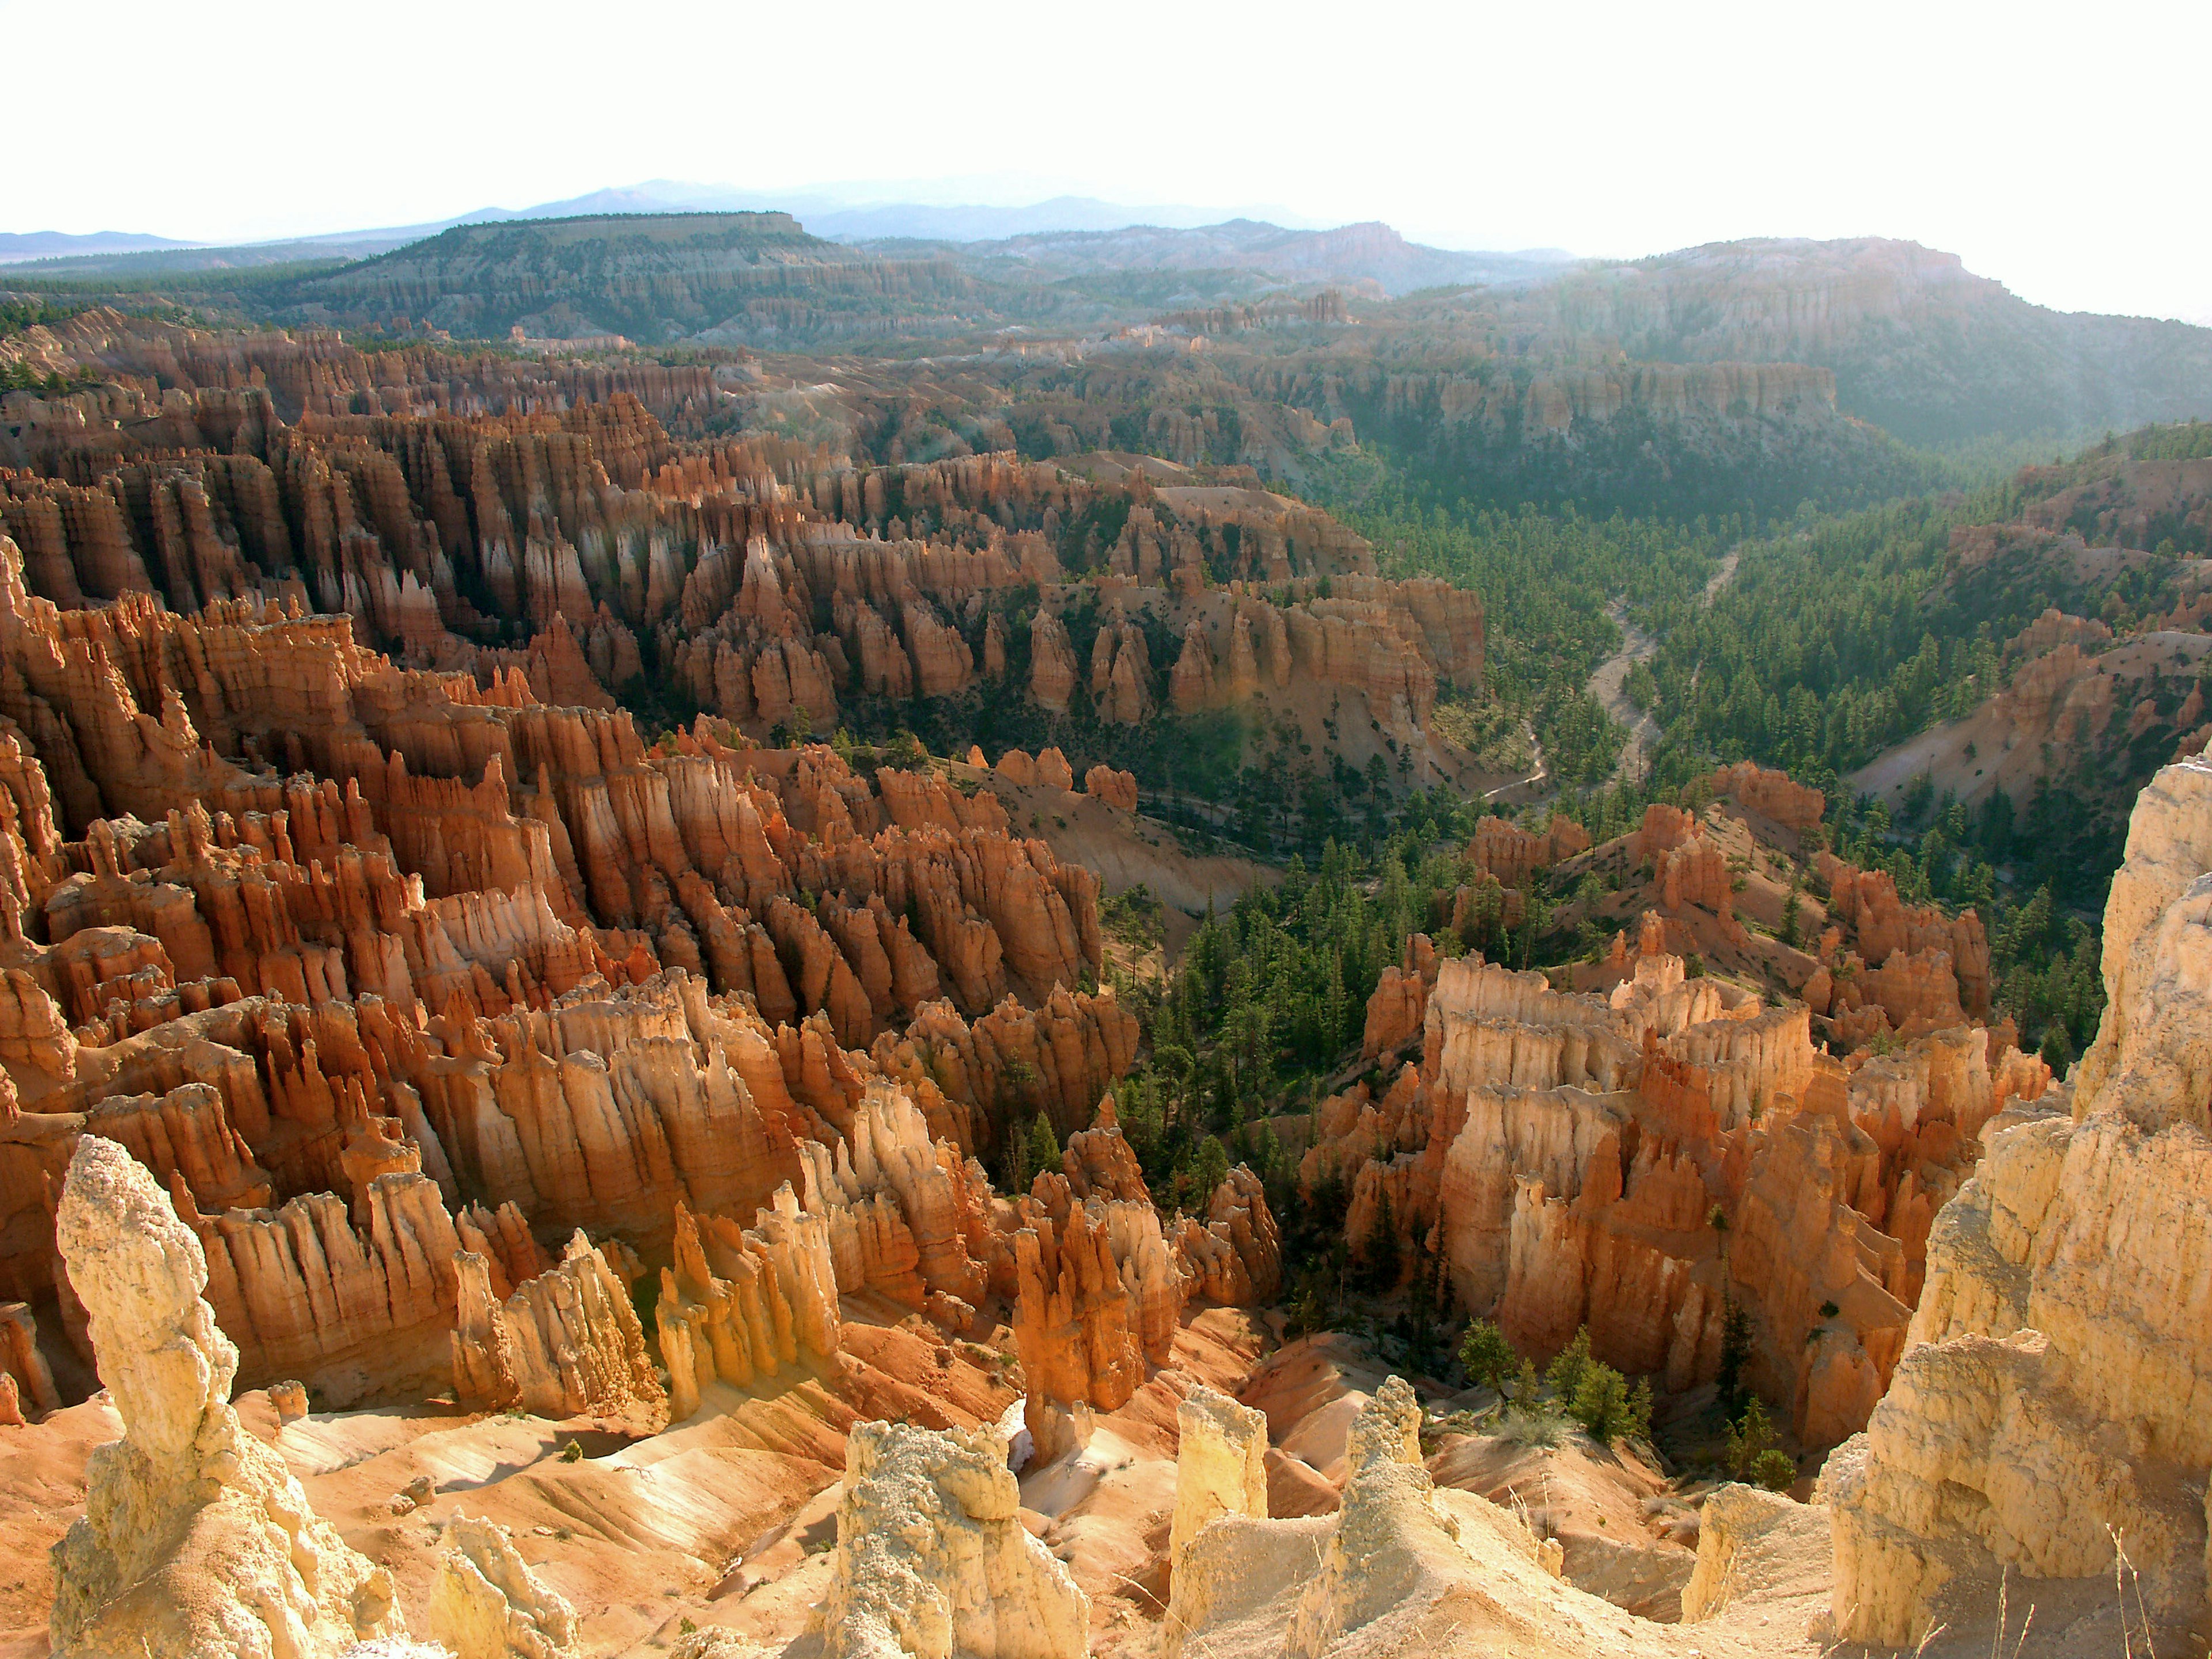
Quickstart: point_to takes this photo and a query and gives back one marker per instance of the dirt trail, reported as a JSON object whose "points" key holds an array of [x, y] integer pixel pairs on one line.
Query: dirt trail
{"points": [[1610, 683]]}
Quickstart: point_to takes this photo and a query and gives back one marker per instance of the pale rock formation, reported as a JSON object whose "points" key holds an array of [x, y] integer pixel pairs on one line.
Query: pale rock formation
{"points": [[1390, 1520], [1398, 1567], [487, 1604], [2051, 1398], [1748, 1539], [1221, 1466], [195, 1539], [933, 1560]]}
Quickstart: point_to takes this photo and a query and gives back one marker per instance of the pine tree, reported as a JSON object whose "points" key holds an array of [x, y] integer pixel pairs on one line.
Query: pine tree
{"points": [[1044, 1146]]}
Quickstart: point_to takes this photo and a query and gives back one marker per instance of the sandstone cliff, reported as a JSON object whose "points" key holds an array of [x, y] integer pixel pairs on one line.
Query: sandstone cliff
{"points": [[2041, 1418], [1564, 1155], [195, 1539]]}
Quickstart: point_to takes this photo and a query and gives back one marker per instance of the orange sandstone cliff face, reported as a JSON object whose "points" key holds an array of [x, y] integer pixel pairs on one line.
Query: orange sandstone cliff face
{"points": [[390, 1042], [1566, 1155], [571, 544]]}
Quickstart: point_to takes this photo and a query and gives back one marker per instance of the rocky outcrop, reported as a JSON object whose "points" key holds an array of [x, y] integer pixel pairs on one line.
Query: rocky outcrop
{"points": [[1387, 1522], [2040, 1417], [195, 1539], [1400, 1566], [1773, 794], [1221, 1465], [1400, 1002], [1513, 854], [486, 1603], [1052, 662], [1114, 788], [933, 1560], [1902, 940], [1235, 1255], [1747, 1540], [566, 1343], [1564, 1154], [1097, 1297], [740, 1305]]}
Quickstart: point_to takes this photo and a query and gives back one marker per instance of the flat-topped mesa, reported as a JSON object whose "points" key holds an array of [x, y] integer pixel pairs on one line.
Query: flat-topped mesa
{"points": [[1564, 1153], [195, 1538], [933, 1560], [1389, 1508], [2065, 1330]]}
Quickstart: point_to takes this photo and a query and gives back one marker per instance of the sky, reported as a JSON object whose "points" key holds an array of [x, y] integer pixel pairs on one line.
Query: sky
{"points": [[2056, 149]]}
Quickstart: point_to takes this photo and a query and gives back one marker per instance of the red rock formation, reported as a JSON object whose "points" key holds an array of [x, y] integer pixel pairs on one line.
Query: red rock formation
{"points": [[1114, 788], [1772, 794], [1236, 1255], [1098, 1297], [741, 1304], [1052, 662], [1563, 1154], [1121, 673], [566, 1343], [1883, 927], [1513, 854], [1400, 999]]}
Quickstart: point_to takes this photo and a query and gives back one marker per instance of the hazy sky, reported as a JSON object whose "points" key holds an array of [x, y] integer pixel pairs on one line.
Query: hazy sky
{"points": [[2060, 149]]}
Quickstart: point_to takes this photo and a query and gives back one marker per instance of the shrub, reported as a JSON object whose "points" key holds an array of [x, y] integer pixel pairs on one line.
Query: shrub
{"points": [[1488, 1357], [1774, 1469], [1597, 1396], [1750, 1438]]}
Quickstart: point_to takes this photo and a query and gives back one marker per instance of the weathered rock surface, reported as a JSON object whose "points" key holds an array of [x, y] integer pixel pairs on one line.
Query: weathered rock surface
{"points": [[566, 1343], [1563, 1154], [195, 1539], [933, 1560], [2043, 1409], [487, 1604], [1220, 1465]]}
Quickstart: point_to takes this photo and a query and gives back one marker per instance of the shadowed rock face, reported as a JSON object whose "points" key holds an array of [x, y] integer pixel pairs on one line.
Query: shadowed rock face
{"points": [[195, 1539], [2044, 1405]]}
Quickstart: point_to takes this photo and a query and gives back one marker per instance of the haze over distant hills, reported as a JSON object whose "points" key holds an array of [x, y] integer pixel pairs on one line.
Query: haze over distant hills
{"points": [[1917, 344], [837, 213], [15, 246]]}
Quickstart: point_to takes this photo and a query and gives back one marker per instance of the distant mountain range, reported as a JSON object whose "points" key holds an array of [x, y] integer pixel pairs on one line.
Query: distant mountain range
{"points": [[835, 215], [1917, 343], [16, 245]]}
